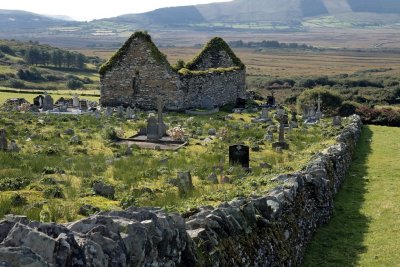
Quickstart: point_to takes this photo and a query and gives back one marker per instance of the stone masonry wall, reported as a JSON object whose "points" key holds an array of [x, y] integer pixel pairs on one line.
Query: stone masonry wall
{"points": [[220, 87], [138, 79], [269, 230]]}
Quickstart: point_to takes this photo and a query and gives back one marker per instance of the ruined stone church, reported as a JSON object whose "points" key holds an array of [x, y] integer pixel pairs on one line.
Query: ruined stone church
{"points": [[138, 73]]}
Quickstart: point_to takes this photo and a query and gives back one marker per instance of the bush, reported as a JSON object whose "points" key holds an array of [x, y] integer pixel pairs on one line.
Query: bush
{"points": [[331, 101], [30, 75], [15, 183], [348, 108], [385, 116], [14, 83], [53, 191], [74, 84]]}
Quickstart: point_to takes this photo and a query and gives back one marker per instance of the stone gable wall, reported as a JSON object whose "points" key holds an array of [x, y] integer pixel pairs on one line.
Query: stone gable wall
{"points": [[139, 67], [213, 61], [269, 230]]}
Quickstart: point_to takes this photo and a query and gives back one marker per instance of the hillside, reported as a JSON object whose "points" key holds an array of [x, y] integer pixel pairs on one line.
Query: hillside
{"points": [[256, 11], [30, 65], [14, 20]]}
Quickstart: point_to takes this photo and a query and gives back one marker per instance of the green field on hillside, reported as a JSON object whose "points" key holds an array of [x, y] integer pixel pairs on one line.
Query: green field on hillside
{"points": [[365, 229]]}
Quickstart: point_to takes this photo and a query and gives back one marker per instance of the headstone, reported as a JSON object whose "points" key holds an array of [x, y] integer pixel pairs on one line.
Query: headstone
{"points": [[129, 113], [240, 103], [109, 111], [271, 101], [47, 103], [97, 114], [282, 118], [13, 146], [309, 114], [38, 101], [207, 103], [337, 121], [120, 111], [63, 108], [75, 101], [83, 105], [3, 140], [239, 154], [213, 178], [152, 128], [264, 116], [184, 182]]}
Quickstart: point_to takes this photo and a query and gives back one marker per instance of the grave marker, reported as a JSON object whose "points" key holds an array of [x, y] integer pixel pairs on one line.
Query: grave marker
{"points": [[239, 154]]}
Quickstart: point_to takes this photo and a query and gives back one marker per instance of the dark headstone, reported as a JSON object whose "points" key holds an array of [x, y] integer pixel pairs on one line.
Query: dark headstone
{"points": [[38, 101], [3, 140], [240, 103], [83, 105], [239, 154], [48, 103], [270, 101]]}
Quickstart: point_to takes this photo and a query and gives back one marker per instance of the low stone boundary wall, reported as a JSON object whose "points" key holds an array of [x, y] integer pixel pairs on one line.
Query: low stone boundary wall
{"points": [[270, 230]]}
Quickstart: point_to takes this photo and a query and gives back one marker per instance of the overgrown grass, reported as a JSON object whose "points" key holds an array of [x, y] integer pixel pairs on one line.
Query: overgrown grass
{"points": [[365, 228], [55, 176]]}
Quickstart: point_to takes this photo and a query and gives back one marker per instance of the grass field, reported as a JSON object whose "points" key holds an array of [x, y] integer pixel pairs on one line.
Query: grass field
{"points": [[365, 229], [294, 63]]}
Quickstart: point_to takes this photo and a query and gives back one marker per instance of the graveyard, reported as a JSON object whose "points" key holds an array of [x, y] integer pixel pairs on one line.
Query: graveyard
{"points": [[61, 166]]}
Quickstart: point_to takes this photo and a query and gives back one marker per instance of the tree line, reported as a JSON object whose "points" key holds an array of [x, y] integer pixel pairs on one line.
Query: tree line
{"points": [[269, 44], [56, 57]]}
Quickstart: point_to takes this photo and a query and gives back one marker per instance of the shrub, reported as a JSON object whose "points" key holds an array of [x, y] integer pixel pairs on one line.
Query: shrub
{"points": [[331, 101], [53, 191], [110, 133], [18, 200], [15, 183], [74, 84], [348, 108], [385, 116], [30, 75], [14, 83]]}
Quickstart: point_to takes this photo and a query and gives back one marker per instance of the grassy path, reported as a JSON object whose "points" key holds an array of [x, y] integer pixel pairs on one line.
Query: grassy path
{"points": [[365, 228]]}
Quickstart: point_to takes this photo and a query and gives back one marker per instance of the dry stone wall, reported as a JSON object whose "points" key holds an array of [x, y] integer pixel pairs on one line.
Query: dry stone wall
{"points": [[269, 230]]}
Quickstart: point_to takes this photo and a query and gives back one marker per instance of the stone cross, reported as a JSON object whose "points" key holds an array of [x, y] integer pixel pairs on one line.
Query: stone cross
{"points": [[3, 140], [282, 118]]}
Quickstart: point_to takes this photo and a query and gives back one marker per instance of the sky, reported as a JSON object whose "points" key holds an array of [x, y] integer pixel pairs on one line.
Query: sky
{"points": [[86, 10]]}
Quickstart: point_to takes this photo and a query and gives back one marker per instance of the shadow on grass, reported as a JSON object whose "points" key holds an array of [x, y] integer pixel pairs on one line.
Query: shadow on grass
{"points": [[341, 241]]}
